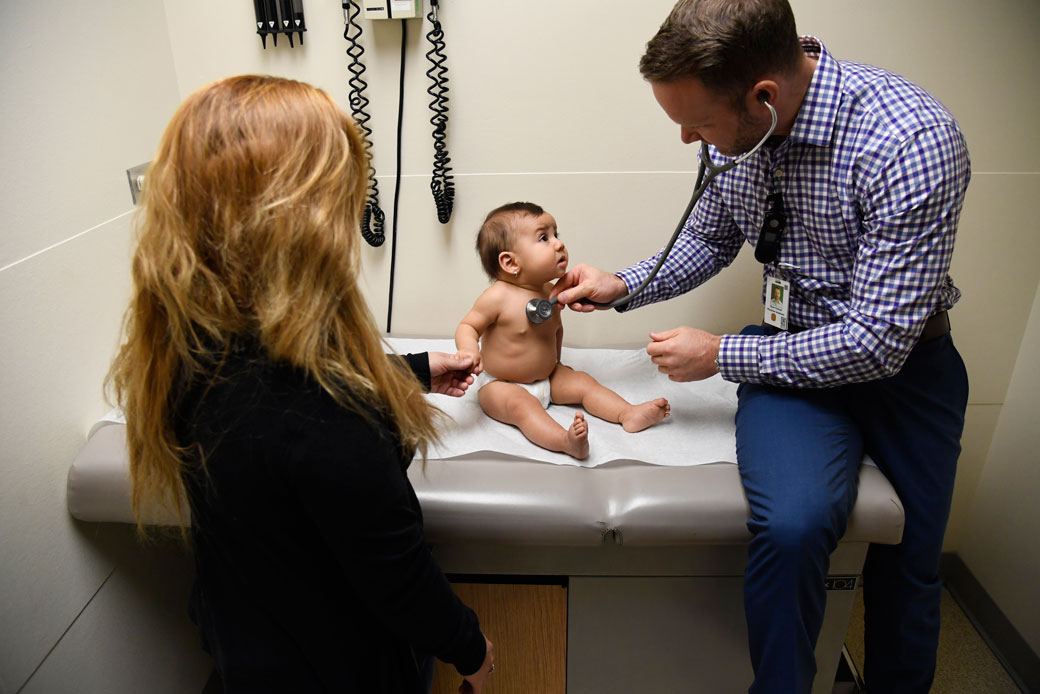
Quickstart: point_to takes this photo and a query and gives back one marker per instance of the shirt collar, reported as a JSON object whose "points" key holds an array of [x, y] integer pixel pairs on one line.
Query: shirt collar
{"points": [[815, 121]]}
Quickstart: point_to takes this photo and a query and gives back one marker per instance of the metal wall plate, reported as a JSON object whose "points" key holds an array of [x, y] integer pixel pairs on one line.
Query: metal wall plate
{"points": [[135, 175]]}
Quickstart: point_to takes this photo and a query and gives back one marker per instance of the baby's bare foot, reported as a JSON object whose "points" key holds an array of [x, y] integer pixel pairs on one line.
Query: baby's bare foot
{"points": [[639, 417], [576, 439]]}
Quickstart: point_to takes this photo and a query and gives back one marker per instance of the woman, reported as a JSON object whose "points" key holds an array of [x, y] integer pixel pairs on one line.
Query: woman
{"points": [[255, 386]]}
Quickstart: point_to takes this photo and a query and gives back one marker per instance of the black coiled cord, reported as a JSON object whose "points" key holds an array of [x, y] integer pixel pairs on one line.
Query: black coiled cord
{"points": [[442, 185], [373, 218]]}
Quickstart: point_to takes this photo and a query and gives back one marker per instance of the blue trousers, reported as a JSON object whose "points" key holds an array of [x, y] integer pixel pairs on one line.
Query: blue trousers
{"points": [[799, 452]]}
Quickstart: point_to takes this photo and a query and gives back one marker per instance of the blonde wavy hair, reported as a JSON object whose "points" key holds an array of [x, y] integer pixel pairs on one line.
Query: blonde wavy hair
{"points": [[249, 226]]}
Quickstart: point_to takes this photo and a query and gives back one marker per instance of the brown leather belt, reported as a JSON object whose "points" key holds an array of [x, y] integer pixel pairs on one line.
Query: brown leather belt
{"points": [[936, 326]]}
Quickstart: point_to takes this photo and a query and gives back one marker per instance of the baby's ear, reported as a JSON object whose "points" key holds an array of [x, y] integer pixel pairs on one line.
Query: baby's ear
{"points": [[507, 263]]}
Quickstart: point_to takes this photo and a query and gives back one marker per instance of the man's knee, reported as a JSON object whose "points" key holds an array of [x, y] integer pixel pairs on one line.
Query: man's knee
{"points": [[800, 528]]}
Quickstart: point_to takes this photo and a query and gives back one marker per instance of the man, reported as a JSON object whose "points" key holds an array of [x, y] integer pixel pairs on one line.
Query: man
{"points": [[866, 175]]}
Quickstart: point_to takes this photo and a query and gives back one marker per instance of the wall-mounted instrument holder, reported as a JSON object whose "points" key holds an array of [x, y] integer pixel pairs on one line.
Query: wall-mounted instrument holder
{"points": [[275, 17]]}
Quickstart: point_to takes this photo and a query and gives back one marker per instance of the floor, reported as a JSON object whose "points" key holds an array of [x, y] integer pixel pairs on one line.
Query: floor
{"points": [[965, 665]]}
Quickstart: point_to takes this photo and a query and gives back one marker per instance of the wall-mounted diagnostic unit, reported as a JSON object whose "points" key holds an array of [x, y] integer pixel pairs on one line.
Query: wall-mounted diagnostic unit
{"points": [[441, 183], [392, 9]]}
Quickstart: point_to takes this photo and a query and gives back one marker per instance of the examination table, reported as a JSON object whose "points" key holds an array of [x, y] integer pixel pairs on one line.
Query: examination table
{"points": [[652, 551]]}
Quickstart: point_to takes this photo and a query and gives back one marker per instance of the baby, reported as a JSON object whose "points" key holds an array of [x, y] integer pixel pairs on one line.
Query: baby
{"points": [[518, 362]]}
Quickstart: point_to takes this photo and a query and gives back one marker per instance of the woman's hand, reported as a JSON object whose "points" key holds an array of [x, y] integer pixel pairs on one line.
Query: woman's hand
{"points": [[450, 374], [474, 684]]}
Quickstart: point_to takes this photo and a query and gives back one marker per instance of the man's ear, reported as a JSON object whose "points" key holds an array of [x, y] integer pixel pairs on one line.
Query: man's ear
{"points": [[507, 262], [764, 91]]}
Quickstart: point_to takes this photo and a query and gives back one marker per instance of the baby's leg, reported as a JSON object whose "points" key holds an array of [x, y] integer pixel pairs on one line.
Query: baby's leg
{"points": [[570, 387], [509, 403]]}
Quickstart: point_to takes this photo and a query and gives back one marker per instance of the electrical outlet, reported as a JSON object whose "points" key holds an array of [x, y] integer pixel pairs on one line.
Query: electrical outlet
{"points": [[136, 177], [392, 9]]}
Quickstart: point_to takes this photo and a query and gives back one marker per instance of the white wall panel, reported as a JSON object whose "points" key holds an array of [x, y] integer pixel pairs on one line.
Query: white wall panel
{"points": [[135, 636], [84, 86], [994, 266], [60, 311], [980, 421], [974, 57], [1000, 543]]}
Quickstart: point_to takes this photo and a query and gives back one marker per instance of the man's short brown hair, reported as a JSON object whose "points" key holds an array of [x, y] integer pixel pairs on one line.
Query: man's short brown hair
{"points": [[726, 44]]}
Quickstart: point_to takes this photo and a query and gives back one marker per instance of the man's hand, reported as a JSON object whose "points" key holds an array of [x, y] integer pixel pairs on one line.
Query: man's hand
{"points": [[450, 374], [585, 281], [684, 354]]}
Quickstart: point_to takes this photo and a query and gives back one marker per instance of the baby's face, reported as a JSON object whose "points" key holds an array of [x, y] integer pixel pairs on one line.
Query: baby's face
{"points": [[538, 248]]}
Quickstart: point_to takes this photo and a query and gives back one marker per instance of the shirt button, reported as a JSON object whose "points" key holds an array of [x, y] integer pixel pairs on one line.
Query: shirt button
{"points": [[779, 173]]}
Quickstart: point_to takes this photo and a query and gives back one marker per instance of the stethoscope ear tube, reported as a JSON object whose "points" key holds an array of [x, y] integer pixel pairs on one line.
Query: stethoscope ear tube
{"points": [[539, 310]]}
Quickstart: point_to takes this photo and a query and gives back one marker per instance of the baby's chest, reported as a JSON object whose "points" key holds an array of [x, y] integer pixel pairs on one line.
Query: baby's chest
{"points": [[521, 330]]}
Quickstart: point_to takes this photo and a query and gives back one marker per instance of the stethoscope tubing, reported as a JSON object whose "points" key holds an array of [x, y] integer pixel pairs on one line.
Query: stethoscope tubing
{"points": [[707, 172]]}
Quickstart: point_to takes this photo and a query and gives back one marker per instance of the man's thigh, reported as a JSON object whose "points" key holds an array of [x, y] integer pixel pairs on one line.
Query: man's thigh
{"points": [[912, 425], [799, 453]]}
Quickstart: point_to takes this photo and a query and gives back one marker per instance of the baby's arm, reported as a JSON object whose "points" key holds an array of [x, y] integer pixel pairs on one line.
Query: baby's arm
{"points": [[559, 342], [473, 325]]}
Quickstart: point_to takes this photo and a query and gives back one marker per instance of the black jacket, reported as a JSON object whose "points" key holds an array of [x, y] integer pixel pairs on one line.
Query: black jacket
{"points": [[313, 573]]}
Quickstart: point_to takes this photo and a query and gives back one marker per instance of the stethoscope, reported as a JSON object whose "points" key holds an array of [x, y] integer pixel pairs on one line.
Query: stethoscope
{"points": [[539, 310]]}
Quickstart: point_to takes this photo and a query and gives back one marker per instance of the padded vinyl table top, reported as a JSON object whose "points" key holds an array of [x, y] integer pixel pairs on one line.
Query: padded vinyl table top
{"points": [[506, 497]]}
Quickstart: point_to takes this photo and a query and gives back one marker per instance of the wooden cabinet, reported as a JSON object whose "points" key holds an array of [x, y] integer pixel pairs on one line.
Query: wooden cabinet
{"points": [[528, 626]]}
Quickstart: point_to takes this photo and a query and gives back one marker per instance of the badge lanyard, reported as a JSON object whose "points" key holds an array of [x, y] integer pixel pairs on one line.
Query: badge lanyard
{"points": [[767, 250]]}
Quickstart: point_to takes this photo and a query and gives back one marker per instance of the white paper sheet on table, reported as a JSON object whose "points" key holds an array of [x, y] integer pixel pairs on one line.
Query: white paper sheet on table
{"points": [[700, 429]]}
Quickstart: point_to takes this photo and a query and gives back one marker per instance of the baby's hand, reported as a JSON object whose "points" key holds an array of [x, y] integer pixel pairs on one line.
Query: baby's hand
{"points": [[475, 356], [450, 374]]}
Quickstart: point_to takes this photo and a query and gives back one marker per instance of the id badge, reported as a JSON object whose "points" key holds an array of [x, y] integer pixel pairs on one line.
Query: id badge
{"points": [[778, 297]]}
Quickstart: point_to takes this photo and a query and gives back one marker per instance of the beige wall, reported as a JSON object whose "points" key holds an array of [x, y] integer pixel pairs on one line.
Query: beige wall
{"points": [[999, 541], [85, 89], [547, 105]]}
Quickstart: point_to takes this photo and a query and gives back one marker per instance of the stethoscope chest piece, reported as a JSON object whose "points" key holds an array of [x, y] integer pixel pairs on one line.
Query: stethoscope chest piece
{"points": [[539, 310]]}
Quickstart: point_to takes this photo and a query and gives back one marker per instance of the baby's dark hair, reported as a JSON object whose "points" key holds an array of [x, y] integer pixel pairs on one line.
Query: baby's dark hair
{"points": [[497, 233]]}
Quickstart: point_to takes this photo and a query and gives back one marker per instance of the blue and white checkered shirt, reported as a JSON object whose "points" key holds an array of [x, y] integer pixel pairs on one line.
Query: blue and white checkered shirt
{"points": [[873, 176]]}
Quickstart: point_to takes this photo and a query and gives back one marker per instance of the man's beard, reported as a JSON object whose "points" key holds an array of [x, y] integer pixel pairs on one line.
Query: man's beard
{"points": [[749, 133]]}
